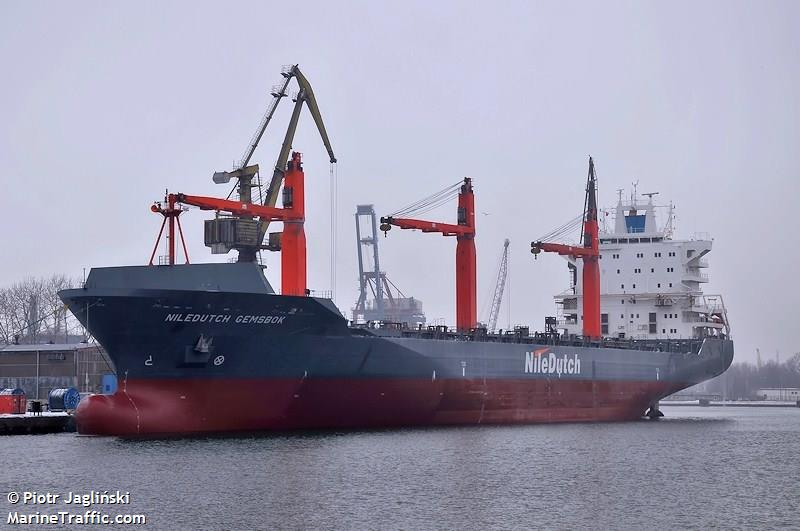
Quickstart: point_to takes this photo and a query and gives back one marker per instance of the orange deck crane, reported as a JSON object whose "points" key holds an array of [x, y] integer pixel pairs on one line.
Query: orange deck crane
{"points": [[293, 239], [589, 252], [464, 231]]}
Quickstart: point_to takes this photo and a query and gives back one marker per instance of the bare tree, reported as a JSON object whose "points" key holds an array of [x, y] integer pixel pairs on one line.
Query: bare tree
{"points": [[54, 311], [6, 326], [31, 308], [743, 380]]}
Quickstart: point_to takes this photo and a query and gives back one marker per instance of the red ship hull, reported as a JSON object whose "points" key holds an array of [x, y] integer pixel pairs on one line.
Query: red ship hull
{"points": [[153, 408]]}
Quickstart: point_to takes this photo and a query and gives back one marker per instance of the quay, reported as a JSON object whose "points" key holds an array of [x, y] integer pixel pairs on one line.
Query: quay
{"points": [[730, 403], [29, 423]]}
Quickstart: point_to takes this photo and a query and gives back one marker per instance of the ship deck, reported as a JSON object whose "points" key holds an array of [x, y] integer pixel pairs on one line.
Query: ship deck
{"points": [[521, 336]]}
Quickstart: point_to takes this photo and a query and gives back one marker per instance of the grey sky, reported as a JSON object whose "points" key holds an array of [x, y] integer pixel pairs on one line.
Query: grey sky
{"points": [[104, 105]]}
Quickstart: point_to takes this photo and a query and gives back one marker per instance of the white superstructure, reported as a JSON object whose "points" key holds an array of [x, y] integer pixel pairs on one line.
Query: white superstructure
{"points": [[650, 284]]}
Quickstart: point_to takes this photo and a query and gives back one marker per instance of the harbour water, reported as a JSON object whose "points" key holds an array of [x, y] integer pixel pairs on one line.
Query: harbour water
{"points": [[698, 468]]}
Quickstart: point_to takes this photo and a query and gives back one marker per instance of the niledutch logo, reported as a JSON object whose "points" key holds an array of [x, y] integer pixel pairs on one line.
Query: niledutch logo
{"points": [[540, 362]]}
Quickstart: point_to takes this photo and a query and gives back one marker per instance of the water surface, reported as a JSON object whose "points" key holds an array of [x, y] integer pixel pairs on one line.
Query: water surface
{"points": [[698, 468]]}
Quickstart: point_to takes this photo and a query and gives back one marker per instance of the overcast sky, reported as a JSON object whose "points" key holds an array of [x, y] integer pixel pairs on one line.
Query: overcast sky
{"points": [[104, 105]]}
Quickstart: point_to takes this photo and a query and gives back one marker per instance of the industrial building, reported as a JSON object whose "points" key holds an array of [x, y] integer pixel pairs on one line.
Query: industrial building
{"points": [[37, 369], [783, 394]]}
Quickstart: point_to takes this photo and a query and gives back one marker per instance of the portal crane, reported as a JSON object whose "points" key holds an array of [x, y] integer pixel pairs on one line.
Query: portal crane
{"points": [[499, 287], [464, 231], [245, 173], [589, 253]]}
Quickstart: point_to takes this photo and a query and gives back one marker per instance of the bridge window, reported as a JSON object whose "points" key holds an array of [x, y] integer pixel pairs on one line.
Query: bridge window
{"points": [[635, 223]]}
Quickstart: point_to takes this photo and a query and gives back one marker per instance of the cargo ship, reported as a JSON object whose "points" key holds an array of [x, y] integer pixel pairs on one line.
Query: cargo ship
{"points": [[212, 348]]}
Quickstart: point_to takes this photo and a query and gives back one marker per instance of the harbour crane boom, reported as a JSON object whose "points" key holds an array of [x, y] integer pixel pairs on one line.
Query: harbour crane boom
{"points": [[246, 174], [278, 94], [305, 95]]}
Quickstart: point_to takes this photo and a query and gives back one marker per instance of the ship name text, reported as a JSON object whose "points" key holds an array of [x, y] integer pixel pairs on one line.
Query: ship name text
{"points": [[542, 362], [224, 318]]}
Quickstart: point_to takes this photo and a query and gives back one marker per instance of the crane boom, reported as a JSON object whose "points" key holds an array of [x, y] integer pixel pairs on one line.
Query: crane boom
{"points": [[311, 101], [278, 95], [499, 287], [305, 95]]}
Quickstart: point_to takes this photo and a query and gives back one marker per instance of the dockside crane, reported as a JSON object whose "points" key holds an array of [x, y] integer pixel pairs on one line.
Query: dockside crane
{"points": [[389, 304], [499, 287], [589, 252], [245, 224], [464, 231], [245, 174]]}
